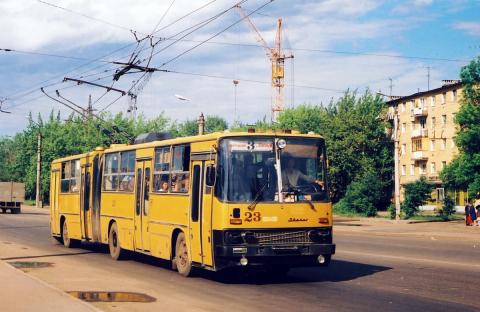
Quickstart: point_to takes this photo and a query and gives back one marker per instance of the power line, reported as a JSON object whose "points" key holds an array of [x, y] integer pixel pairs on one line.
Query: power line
{"points": [[85, 15], [28, 90], [248, 80]]}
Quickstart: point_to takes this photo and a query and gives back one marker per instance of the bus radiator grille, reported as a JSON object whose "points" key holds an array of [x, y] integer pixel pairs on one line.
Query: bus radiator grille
{"points": [[282, 237]]}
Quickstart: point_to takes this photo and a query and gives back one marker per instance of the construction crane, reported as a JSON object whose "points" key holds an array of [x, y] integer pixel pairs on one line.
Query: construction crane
{"points": [[277, 57]]}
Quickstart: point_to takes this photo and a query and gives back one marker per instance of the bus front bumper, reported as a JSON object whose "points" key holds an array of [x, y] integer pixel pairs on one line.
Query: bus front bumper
{"points": [[270, 251], [290, 256]]}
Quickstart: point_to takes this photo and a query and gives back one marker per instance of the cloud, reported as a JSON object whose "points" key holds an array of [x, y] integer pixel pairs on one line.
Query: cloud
{"points": [[342, 7], [308, 24], [471, 28], [409, 6]]}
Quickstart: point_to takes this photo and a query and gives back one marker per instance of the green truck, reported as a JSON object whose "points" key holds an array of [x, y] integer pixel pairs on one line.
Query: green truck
{"points": [[12, 196]]}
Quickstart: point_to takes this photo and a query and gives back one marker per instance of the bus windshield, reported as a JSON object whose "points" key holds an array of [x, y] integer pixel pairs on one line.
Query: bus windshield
{"points": [[248, 169]]}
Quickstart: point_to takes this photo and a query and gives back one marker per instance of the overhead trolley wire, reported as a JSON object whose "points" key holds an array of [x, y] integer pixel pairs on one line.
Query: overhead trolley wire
{"points": [[27, 91]]}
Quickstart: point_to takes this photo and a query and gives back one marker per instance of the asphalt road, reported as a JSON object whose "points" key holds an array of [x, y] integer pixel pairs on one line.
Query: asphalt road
{"points": [[369, 272]]}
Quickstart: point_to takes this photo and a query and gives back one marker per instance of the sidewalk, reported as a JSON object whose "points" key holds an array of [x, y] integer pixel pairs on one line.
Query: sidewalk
{"points": [[22, 292], [434, 230]]}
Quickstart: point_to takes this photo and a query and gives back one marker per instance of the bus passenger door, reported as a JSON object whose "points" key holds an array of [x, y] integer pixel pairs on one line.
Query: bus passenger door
{"points": [[54, 187], [146, 205], [85, 208], [138, 206], [207, 219], [195, 220], [142, 205]]}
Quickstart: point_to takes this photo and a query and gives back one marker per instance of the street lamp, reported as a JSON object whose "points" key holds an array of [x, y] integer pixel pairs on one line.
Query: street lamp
{"points": [[201, 118], [181, 98]]}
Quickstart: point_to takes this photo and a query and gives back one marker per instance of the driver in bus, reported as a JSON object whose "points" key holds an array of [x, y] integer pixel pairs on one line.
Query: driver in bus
{"points": [[291, 175]]}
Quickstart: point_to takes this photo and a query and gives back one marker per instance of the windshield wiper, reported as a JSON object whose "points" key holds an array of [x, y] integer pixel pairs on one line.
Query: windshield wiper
{"points": [[256, 198]]}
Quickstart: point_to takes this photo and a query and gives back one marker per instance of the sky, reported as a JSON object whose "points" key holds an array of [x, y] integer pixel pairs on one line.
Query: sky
{"points": [[338, 45]]}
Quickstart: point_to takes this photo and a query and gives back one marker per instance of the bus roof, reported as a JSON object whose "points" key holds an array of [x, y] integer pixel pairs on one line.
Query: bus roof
{"points": [[189, 139], [202, 138]]}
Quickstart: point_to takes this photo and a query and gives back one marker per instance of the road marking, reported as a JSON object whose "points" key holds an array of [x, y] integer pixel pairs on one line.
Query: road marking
{"points": [[470, 265]]}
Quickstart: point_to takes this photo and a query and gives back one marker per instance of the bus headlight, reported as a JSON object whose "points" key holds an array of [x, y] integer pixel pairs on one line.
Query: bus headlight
{"points": [[281, 144], [318, 236], [233, 237]]}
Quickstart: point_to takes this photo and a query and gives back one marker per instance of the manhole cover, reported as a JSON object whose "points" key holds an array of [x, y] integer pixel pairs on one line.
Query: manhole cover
{"points": [[111, 296], [30, 264]]}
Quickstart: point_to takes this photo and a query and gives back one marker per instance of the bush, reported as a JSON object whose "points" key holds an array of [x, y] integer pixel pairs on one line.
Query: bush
{"points": [[416, 194], [362, 196], [448, 207], [393, 212]]}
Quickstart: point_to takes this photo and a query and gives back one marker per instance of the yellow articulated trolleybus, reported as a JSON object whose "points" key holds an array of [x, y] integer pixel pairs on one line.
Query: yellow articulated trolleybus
{"points": [[209, 201]]}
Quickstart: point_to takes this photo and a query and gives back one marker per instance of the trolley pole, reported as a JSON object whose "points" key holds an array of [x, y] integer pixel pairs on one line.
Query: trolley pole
{"points": [[38, 198]]}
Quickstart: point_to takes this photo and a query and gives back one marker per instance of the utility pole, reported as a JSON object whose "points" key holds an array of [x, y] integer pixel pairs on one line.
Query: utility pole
{"points": [[38, 199], [235, 117], [428, 78], [396, 140], [89, 107], [391, 86]]}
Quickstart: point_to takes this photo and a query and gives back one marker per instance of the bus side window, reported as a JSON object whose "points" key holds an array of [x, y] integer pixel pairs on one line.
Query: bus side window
{"points": [[110, 175], [65, 180], [127, 171], [180, 180], [146, 189], [161, 172]]}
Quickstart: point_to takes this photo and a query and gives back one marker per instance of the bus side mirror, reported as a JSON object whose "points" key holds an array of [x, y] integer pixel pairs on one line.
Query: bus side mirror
{"points": [[210, 175]]}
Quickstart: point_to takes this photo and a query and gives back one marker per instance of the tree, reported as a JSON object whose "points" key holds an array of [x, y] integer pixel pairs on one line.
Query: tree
{"points": [[189, 127], [61, 138], [363, 196], [416, 194], [464, 171], [215, 124], [448, 207], [357, 144]]}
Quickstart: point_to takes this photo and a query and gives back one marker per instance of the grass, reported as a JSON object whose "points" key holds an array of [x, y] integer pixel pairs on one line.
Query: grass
{"points": [[430, 217], [29, 202]]}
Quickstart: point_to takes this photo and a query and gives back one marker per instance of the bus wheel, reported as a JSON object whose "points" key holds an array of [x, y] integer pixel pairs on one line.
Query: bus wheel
{"points": [[67, 241], [116, 252], [4, 210], [182, 260]]}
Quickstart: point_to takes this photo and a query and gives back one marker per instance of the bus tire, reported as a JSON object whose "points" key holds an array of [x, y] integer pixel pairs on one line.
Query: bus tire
{"points": [[4, 210], [67, 241], [182, 258], [116, 252]]}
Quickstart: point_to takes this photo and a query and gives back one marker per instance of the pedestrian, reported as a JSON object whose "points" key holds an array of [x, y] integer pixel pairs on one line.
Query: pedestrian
{"points": [[468, 214], [473, 214], [478, 215]]}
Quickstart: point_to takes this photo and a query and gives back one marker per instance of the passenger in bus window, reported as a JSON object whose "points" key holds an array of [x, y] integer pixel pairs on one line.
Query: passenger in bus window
{"points": [[164, 186], [73, 185], [180, 183], [291, 176], [127, 183]]}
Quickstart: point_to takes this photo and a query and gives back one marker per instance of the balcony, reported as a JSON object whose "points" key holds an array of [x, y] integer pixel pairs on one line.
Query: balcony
{"points": [[419, 155], [419, 133], [433, 177], [419, 112]]}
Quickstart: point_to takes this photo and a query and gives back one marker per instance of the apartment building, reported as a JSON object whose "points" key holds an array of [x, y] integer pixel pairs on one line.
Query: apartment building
{"points": [[426, 131]]}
